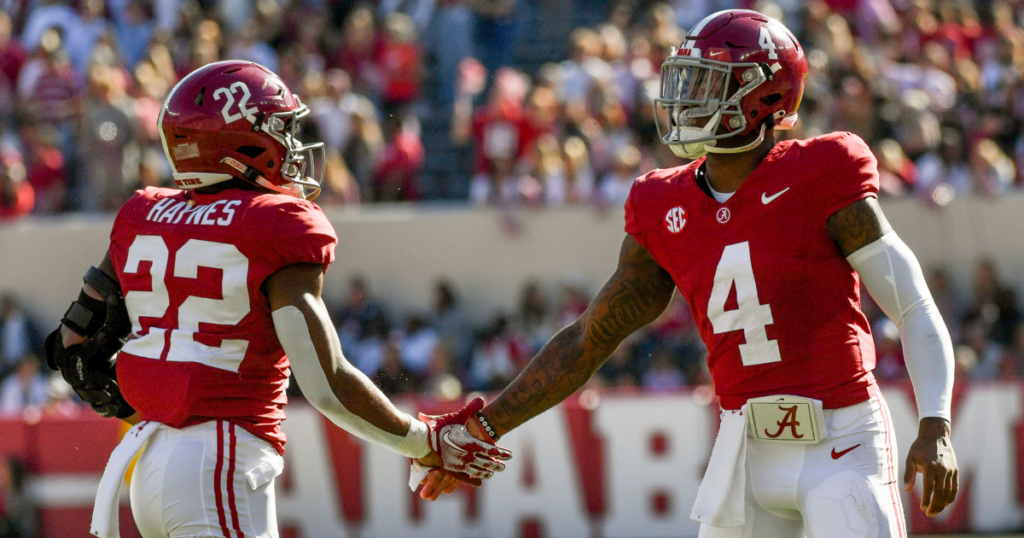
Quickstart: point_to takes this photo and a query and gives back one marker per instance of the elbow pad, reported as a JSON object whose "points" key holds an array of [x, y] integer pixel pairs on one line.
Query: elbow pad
{"points": [[893, 277], [293, 333]]}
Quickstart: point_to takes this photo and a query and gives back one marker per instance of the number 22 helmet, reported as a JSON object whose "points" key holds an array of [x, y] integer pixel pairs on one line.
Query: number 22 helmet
{"points": [[238, 119], [736, 71]]}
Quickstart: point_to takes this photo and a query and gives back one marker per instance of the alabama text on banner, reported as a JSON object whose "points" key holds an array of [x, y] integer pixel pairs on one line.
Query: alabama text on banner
{"points": [[603, 464]]}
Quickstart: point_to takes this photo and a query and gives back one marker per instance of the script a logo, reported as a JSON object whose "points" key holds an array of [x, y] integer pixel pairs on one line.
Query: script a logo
{"points": [[675, 219], [788, 420]]}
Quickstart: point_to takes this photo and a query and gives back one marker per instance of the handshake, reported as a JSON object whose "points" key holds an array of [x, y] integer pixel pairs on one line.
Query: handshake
{"points": [[456, 455]]}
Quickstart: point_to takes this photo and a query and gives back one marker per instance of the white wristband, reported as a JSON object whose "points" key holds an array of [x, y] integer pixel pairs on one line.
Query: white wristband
{"points": [[415, 444]]}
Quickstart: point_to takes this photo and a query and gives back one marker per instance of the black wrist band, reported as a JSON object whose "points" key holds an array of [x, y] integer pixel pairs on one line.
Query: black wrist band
{"points": [[486, 426]]}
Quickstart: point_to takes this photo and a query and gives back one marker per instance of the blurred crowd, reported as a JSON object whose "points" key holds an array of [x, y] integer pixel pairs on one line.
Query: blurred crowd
{"points": [[26, 384], [934, 86]]}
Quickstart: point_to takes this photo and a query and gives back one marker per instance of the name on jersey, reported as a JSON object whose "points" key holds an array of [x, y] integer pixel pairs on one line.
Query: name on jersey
{"points": [[171, 211]]}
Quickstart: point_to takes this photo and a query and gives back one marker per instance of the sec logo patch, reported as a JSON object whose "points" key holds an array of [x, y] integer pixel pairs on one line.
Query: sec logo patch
{"points": [[675, 219]]}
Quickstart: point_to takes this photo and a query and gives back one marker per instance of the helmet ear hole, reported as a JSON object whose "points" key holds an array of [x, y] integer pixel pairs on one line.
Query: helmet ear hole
{"points": [[251, 151], [770, 100], [200, 97]]}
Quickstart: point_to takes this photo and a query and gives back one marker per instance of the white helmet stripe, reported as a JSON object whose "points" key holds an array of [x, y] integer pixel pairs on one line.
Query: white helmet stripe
{"points": [[160, 128], [699, 27]]}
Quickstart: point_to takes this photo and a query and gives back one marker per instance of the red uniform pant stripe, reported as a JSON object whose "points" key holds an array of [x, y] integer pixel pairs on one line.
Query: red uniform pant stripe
{"points": [[893, 492], [231, 483], [217, 494]]}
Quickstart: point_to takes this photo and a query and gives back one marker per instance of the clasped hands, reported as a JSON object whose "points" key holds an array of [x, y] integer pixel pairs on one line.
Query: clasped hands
{"points": [[458, 454]]}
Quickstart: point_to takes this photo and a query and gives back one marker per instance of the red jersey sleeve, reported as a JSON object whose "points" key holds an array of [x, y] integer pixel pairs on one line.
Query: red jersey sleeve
{"points": [[637, 205], [851, 172], [303, 234], [632, 227]]}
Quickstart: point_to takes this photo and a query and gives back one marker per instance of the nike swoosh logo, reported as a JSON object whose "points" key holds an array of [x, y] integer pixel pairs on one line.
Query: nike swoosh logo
{"points": [[837, 455], [452, 444], [765, 199]]}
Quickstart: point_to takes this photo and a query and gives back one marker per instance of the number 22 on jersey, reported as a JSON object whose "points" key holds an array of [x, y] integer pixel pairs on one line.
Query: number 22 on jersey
{"points": [[750, 316], [230, 310]]}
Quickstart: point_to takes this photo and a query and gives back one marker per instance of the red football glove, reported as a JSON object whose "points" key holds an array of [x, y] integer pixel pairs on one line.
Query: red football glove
{"points": [[464, 456]]}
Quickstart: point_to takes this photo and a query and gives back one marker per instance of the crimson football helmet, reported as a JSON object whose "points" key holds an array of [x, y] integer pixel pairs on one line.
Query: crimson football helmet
{"points": [[736, 71], [238, 119]]}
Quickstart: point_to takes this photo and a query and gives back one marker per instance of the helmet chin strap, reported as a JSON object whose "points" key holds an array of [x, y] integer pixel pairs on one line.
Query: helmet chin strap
{"points": [[253, 176], [741, 149], [292, 189]]}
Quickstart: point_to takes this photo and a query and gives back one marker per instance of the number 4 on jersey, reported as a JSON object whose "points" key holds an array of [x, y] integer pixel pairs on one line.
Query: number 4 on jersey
{"points": [[751, 316]]}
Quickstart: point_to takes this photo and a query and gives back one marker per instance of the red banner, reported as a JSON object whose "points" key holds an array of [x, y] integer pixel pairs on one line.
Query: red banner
{"points": [[602, 464]]}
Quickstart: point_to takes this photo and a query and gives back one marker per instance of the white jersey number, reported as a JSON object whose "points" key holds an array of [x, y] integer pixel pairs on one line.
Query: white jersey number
{"points": [[767, 44], [751, 316], [228, 93], [230, 310]]}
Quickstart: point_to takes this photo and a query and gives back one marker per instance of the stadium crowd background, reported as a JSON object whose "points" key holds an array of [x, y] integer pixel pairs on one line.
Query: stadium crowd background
{"points": [[508, 103]]}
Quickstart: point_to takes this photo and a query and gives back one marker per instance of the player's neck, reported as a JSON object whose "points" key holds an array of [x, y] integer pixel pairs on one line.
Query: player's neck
{"points": [[233, 183], [727, 171]]}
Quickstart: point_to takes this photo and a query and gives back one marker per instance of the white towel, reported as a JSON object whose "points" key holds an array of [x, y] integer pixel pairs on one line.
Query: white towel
{"points": [[417, 473], [108, 496], [720, 497]]}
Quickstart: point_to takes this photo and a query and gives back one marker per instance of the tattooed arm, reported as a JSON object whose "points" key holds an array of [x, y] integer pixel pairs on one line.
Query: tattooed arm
{"points": [[857, 225], [636, 294]]}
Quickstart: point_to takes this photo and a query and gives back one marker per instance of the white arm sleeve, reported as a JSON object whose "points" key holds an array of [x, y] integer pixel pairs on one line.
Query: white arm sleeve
{"points": [[292, 331], [893, 276]]}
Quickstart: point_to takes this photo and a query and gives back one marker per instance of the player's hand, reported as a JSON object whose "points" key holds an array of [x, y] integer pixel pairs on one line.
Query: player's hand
{"points": [[932, 456], [437, 482], [457, 451]]}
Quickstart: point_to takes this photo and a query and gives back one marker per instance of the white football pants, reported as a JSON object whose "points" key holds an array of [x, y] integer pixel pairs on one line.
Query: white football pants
{"points": [[844, 487], [212, 479]]}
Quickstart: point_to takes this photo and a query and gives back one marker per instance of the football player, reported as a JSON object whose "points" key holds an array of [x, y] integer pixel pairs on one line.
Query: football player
{"points": [[211, 292], [769, 242]]}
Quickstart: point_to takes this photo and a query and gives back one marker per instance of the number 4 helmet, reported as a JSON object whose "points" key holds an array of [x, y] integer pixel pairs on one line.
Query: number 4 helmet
{"points": [[736, 72], [238, 119]]}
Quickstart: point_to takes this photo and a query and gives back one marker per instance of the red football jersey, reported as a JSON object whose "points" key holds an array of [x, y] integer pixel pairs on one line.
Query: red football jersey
{"points": [[776, 303], [191, 265]]}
